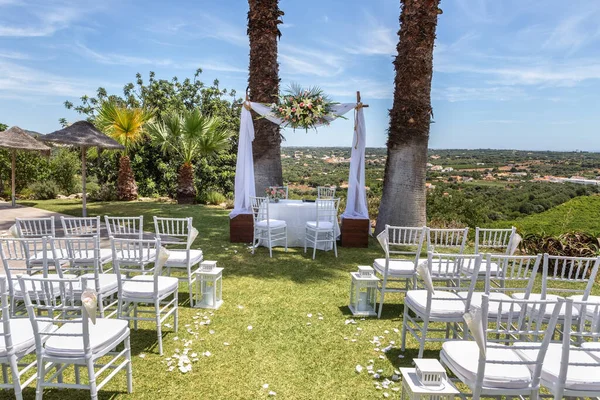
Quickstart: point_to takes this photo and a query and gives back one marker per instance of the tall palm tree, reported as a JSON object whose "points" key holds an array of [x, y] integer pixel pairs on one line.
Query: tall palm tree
{"points": [[126, 126], [188, 136], [404, 195], [264, 16]]}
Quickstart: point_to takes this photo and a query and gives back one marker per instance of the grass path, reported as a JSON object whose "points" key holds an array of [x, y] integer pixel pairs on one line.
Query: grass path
{"points": [[274, 296]]}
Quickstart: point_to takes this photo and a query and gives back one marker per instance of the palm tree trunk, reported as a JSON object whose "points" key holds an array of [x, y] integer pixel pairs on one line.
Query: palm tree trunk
{"points": [[404, 196], [126, 187], [263, 19], [186, 191]]}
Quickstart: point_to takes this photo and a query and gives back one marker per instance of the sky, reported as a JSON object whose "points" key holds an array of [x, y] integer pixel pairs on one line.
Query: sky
{"points": [[510, 74]]}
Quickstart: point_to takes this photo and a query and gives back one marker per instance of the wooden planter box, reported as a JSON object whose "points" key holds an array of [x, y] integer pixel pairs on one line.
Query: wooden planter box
{"points": [[241, 228], [355, 232]]}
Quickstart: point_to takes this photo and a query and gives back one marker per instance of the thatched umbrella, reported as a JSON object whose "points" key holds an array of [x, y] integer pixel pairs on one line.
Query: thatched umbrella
{"points": [[84, 135], [15, 139]]}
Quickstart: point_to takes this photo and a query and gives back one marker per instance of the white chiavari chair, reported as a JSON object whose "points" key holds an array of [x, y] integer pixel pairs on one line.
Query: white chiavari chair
{"points": [[323, 229], [269, 231], [83, 257], [16, 341], [180, 231], [138, 286], [37, 228], [125, 227], [86, 227], [492, 364], [449, 282], [402, 247], [77, 340]]}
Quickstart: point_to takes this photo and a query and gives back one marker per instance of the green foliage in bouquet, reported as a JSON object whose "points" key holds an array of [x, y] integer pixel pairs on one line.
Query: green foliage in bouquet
{"points": [[304, 108]]}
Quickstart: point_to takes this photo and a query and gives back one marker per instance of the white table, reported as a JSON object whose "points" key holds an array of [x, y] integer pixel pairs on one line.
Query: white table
{"points": [[296, 214]]}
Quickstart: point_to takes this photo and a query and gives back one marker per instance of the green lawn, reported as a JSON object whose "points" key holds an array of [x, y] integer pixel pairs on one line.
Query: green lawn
{"points": [[274, 296]]}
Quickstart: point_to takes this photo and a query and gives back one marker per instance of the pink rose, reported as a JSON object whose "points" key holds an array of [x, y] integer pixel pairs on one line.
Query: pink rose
{"points": [[301, 104], [293, 110]]}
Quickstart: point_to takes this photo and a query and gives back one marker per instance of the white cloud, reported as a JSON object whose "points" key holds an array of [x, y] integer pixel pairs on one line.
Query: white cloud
{"points": [[304, 61], [374, 39], [13, 55]]}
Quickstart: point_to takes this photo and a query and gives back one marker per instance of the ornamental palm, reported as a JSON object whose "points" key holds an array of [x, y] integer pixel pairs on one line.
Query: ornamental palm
{"points": [[188, 136], [126, 126]]}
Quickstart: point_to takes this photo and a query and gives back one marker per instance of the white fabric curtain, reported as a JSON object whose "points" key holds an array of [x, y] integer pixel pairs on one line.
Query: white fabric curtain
{"points": [[356, 203], [244, 168]]}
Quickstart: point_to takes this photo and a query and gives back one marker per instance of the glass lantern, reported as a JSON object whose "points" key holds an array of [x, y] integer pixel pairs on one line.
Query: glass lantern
{"points": [[363, 292], [427, 381], [209, 286]]}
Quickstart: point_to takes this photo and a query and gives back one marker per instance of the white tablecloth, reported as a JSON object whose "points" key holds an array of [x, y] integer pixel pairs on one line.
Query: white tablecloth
{"points": [[296, 213]]}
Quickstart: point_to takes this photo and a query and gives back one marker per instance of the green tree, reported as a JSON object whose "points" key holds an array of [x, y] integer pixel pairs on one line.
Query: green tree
{"points": [[187, 136], [126, 126], [64, 165]]}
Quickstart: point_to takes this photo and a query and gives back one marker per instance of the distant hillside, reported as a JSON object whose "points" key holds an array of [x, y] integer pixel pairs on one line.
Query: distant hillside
{"points": [[578, 214]]}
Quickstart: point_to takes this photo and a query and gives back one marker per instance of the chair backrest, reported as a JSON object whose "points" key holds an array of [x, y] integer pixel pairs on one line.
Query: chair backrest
{"points": [[173, 230], [327, 211], [569, 275], [454, 271], [400, 240], [283, 188], [82, 254], [52, 300], [80, 226], [129, 257], [446, 239], [6, 334], [521, 322], [125, 227], [326, 192], [35, 227], [260, 208], [16, 254], [512, 274], [495, 240]]}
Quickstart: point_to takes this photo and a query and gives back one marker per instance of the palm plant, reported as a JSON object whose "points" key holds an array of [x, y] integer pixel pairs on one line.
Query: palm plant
{"points": [[188, 136], [126, 126]]}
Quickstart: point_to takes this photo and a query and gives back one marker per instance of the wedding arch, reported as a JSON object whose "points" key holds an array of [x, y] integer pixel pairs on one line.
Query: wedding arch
{"points": [[356, 202]]}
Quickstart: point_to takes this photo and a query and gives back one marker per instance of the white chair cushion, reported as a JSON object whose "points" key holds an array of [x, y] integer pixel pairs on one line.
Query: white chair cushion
{"points": [[476, 300], [18, 292], [548, 311], [273, 223], [144, 288], [105, 255], [397, 268], [21, 335], [579, 377], [594, 307], [323, 225], [482, 268], [102, 337], [38, 257], [178, 258], [443, 304], [463, 359], [108, 282]]}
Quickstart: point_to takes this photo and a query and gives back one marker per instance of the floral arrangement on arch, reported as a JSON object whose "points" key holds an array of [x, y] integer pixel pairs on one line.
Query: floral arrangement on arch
{"points": [[303, 108], [275, 193]]}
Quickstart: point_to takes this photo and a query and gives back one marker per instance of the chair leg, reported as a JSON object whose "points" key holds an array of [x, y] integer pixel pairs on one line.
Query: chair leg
{"points": [[14, 369], [423, 337], [158, 327], [334, 243], [305, 239], [404, 329], [129, 367], [285, 233], [190, 288], [92, 379], [383, 285], [176, 313], [101, 305], [135, 316], [315, 244], [41, 376], [269, 241]]}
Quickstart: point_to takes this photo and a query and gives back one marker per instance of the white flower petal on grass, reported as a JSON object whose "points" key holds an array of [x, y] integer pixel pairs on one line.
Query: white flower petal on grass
{"points": [[395, 378], [396, 389], [382, 357], [241, 307], [370, 367], [308, 323], [386, 394], [225, 344], [345, 337], [353, 340], [359, 369], [171, 369], [376, 349], [142, 355], [350, 321], [376, 376], [272, 393], [359, 329], [371, 362], [249, 327], [396, 330], [265, 386], [211, 332], [207, 354], [183, 369], [194, 355], [176, 338], [309, 315], [167, 325], [321, 318], [401, 356], [387, 348]]}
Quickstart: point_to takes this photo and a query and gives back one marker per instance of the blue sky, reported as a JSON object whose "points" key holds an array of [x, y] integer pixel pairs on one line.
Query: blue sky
{"points": [[519, 74]]}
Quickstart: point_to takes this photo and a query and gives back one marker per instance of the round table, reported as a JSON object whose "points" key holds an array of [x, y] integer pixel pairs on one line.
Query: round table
{"points": [[296, 214]]}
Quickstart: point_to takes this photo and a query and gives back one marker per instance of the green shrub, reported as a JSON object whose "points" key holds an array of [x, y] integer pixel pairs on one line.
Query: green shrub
{"points": [[214, 198], [64, 166], [44, 190], [104, 192]]}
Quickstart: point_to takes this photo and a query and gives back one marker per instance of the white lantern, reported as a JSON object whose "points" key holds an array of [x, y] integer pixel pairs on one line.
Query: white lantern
{"points": [[363, 292], [209, 285], [427, 381]]}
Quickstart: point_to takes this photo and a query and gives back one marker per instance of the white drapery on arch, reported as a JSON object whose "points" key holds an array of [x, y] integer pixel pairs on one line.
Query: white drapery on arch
{"points": [[356, 203]]}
